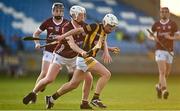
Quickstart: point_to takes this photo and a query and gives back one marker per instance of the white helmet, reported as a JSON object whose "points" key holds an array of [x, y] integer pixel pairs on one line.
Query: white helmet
{"points": [[76, 10], [110, 19]]}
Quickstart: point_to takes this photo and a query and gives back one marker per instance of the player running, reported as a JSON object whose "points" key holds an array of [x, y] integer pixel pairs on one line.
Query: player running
{"points": [[95, 34], [53, 26], [164, 49], [64, 55]]}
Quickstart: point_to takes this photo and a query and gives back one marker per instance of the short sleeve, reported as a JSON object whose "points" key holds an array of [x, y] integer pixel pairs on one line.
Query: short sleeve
{"points": [[66, 28], [175, 27], [43, 26], [153, 28]]}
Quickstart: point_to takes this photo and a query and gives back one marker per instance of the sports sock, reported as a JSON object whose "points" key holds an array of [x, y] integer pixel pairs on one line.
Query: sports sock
{"points": [[84, 102], [163, 88], [55, 96], [96, 96]]}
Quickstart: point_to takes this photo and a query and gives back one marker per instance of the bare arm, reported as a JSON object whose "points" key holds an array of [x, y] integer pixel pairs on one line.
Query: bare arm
{"points": [[106, 56], [150, 37], [69, 33], [105, 47], [74, 46], [175, 37], [36, 34]]}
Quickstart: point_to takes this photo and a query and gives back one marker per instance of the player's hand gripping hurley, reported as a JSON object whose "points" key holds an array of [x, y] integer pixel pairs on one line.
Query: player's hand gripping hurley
{"points": [[97, 46]]}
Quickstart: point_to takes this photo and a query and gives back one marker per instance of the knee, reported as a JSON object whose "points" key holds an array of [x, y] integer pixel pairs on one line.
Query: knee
{"points": [[49, 80], [89, 78], [161, 72], [43, 73], [107, 74]]}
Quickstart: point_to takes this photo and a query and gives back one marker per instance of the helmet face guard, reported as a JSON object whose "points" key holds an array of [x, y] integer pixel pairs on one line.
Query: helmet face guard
{"points": [[75, 11], [111, 20], [58, 6]]}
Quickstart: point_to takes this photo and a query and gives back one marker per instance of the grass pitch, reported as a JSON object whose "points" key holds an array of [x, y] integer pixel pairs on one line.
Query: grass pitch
{"points": [[123, 92]]}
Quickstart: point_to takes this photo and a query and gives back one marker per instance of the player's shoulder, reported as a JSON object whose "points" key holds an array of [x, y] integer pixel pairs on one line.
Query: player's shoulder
{"points": [[157, 22], [65, 20], [92, 26], [68, 24], [48, 19], [172, 22]]}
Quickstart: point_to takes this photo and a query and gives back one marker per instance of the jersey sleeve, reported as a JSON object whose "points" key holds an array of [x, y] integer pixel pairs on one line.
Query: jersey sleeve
{"points": [[43, 26], [66, 28], [153, 28], [175, 27], [89, 28]]}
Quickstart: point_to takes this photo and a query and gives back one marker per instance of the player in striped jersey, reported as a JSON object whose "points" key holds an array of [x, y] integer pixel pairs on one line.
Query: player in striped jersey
{"points": [[95, 34]]}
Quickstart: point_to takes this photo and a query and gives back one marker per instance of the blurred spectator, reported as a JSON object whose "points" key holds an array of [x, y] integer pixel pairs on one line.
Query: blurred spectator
{"points": [[18, 43], [120, 35], [15, 60], [140, 37], [3, 48], [2, 41]]}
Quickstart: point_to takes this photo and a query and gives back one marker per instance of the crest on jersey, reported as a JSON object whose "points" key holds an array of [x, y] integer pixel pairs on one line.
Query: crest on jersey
{"points": [[164, 27], [158, 28], [169, 27], [56, 29], [50, 28]]}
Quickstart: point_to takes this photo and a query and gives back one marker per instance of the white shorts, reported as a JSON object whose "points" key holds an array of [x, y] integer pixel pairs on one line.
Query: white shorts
{"points": [[70, 63], [48, 56], [163, 55], [85, 64]]}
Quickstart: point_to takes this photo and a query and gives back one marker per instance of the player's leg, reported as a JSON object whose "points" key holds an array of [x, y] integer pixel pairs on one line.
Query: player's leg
{"points": [[102, 81], [46, 60], [169, 61], [53, 70], [168, 64], [50, 77], [87, 85], [78, 76], [162, 75], [44, 69], [70, 72], [160, 57], [168, 69]]}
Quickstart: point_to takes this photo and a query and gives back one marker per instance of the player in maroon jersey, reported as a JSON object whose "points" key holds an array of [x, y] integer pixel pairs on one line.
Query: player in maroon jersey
{"points": [[95, 34], [163, 28], [64, 55], [53, 26]]}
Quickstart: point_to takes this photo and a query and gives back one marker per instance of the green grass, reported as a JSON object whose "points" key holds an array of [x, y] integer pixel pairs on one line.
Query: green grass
{"points": [[123, 92]]}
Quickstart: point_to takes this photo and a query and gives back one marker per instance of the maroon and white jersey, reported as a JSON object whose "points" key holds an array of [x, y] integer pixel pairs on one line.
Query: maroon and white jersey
{"points": [[53, 29], [163, 29], [63, 49]]}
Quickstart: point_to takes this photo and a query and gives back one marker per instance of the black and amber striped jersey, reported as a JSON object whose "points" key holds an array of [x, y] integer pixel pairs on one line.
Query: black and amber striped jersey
{"points": [[94, 33]]}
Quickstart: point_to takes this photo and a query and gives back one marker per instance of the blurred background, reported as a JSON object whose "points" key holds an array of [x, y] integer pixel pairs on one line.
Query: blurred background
{"points": [[21, 18]]}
